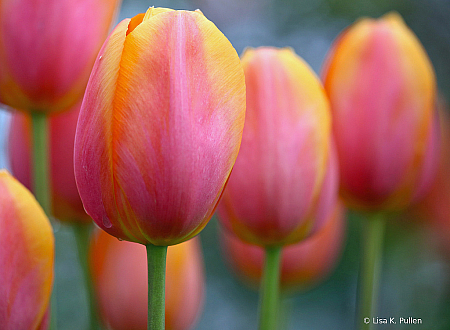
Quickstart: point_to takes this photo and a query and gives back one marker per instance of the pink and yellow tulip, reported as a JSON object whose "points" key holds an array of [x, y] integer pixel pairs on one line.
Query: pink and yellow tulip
{"points": [[119, 272], [381, 87], [160, 127], [279, 174], [66, 201], [26, 258], [48, 48], [303, 264]]}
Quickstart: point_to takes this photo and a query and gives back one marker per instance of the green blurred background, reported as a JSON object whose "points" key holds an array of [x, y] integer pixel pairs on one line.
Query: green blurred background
{"points": [[415, 278]]}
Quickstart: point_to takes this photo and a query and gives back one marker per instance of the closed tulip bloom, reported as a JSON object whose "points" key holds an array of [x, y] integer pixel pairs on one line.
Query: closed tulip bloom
{"points": [[66, 202], [303, 264], [120, 278], [26, 258], [48, 49], [381, 87], [279, 174], [160, 127]]}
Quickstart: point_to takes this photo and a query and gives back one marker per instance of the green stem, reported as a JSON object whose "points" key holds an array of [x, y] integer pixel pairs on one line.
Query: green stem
{"points": [[40, 161], [373, 232], [41, 182], [156, 260], [270, 289], [82, 233]]}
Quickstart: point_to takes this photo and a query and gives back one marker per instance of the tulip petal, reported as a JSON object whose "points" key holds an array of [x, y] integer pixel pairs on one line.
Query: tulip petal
{"points": [[26, 257]]}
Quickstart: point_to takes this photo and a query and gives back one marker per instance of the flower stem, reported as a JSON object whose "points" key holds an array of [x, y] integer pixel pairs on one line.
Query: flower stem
{"points": [[156, 260], [373, 232], [40, 161], [41, 182], [270, 289], [82, 233]]}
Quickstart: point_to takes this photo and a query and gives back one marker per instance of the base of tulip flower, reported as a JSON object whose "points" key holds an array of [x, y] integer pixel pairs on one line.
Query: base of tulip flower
{"points": [[370, 270], [270, 289], [156, 260]]}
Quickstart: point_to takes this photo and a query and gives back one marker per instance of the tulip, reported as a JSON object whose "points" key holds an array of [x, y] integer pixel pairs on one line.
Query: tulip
{"points": [[158, 134], [66, 201], [282, 163], [303, 264], [120, 278], [273, 195], [381, 87], [160, 127], [48, 49], [26, 258]]}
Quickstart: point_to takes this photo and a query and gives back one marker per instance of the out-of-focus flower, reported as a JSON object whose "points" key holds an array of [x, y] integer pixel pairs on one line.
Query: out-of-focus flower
{"points": [[381, 87], [279, 173], [26, 258], [160, 127], [66, 202], [48, 48], [303, 264], [119, 272]]}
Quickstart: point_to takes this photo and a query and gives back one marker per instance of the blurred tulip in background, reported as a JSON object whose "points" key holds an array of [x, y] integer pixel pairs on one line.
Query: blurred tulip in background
{"points": [[119, 271], [26, 258], [382, 90], [382, 87], [160, 127], [48, 49]]}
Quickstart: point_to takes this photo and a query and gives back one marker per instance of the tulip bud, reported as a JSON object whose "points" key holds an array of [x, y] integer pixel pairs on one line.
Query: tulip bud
{"points": [[26, 258], [160, 127], [381, 87], [303, 264], [279, 173], [48, 49], [120, 277], [66, 201]]}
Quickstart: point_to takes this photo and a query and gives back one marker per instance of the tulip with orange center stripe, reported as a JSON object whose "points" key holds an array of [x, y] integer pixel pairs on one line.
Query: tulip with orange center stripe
{"points": [[159, 131], [381, 87], [26, 258]]}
